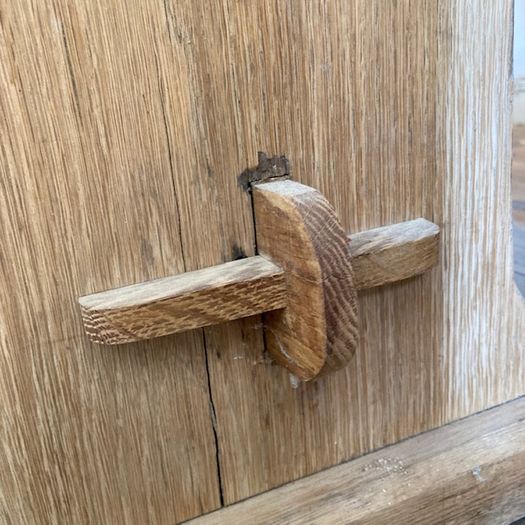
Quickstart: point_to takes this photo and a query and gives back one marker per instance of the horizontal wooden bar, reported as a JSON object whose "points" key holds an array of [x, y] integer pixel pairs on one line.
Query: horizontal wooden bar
{"points": [[246, 287], [393, 253], [184, 302], [471, 471]]}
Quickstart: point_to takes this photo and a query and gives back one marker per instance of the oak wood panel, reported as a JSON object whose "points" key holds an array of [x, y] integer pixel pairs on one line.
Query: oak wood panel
{"points": [[87, 202], [380, 106], [184, 302], [471, 471], [346, 90], [133, 122], [483, 322]]}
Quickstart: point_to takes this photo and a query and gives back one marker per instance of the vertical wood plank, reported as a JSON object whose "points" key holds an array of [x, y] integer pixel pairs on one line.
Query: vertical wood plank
{"points": [[353, 108], [87, 201], [484, 316]]}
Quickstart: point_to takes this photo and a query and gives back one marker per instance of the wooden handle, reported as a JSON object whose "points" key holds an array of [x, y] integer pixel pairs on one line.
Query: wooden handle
{"points": [[305, 280]]}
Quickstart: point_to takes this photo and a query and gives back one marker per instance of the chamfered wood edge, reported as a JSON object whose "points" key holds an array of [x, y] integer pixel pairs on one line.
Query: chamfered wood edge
{"points": [[472, 469]]}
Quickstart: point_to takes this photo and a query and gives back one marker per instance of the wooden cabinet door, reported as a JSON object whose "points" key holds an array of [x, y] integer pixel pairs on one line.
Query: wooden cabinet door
{"points": [[124, 128]]}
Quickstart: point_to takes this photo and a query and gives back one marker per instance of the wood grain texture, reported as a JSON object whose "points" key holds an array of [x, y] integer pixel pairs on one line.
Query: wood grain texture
{"points": [[184, 302], [485, 316], [87, 202], [472, 471], [393, 253], [381, 107], [354, 109], [298, 230], [123, 130]]}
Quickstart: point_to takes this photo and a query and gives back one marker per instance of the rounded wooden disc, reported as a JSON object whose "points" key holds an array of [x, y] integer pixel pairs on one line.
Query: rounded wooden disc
{"points": [[298, 229]]}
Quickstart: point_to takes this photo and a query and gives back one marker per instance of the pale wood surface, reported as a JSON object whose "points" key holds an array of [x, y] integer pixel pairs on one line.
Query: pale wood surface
{"points": [[297, 229], [184, 302], [483, 357], [381, 108], [471, 471], [124, 128], [87, 203], [393, 253]]}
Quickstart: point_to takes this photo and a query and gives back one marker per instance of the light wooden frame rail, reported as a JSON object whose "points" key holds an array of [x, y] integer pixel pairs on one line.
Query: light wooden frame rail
{"points": [[471, 471]]}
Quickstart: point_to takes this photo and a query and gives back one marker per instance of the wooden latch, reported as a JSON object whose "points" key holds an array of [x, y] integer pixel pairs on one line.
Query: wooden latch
{"points": [[304, 281]]}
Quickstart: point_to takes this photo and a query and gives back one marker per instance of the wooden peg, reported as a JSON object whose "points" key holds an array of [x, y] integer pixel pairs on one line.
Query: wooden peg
{"points": [[304, 280]]}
